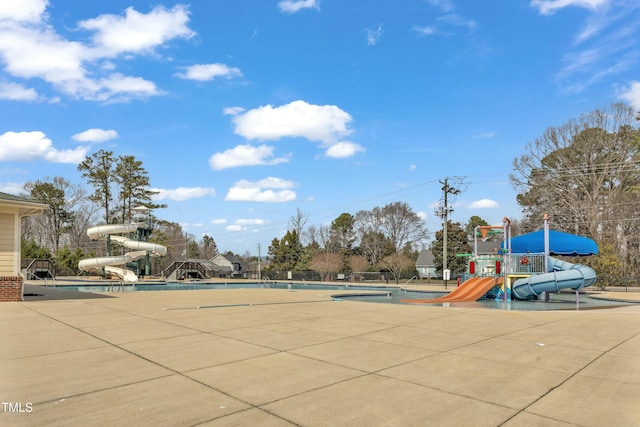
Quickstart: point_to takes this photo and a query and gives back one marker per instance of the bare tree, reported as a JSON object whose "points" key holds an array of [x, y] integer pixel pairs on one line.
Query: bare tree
{"points": [[298, 223], [397, 264], [402, 226], [319, 237], [586, 174], [325, 263], [392, 228], [358, 263], [62, 198], [578, 170], [83, 217], [373, 243]]}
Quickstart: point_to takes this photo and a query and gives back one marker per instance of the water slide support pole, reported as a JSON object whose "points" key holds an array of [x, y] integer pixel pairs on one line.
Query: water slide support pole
{"points": [[103, 271], [546, 250], [506, 259], [475, 241]]}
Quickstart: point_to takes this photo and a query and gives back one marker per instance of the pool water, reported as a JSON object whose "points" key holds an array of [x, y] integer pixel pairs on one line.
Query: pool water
{"points": [[377, 294], [557, 301]]}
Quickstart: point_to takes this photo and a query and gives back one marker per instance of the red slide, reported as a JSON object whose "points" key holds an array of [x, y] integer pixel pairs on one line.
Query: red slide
{"points": [[471, 290]]}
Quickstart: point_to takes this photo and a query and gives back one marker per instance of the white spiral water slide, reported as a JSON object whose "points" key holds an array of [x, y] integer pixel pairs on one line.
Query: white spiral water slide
{"points": [[110, 263]]}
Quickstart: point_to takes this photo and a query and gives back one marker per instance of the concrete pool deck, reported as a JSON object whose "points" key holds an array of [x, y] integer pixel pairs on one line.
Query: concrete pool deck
{"points": [[273, 357]]}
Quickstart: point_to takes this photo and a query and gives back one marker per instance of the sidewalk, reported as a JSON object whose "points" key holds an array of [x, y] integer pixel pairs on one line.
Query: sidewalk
{"points": [[274, 357]]}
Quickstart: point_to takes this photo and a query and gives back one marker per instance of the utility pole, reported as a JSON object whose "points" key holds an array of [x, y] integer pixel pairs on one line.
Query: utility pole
{"points": [[444, 212], [186, 244]]}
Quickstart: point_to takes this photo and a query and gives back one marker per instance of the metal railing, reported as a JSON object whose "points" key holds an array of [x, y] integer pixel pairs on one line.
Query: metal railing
{"points": [[524, 263], [185, 269], [412, 278]]}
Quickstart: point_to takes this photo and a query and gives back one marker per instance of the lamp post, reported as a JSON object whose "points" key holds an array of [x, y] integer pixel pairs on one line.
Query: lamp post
{"points": [[259, 278], [286, 259], [186, 242]]}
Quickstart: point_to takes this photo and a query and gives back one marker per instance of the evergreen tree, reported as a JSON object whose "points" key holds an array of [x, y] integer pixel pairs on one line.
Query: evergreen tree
{"points": [[98, 169], [457, 243], [133, 182], [31, 249], [474, 222]]}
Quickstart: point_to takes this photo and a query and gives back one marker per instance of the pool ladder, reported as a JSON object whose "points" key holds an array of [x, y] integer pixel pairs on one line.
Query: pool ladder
{"points": [[409, 281]]}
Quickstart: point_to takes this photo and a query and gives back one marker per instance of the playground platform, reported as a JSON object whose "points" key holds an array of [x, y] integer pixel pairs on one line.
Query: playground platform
{"points": [[279, 358]]}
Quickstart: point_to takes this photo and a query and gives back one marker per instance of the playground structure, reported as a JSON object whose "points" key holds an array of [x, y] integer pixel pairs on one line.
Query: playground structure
{"points": [[522, 275], [119, 234]]}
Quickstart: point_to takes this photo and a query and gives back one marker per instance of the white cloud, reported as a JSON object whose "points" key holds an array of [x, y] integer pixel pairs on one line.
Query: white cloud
{"points": [[604, 47], [17, 92], [425, 30], [244, 155], [444, 24], [458, 21], [95, 135], [413, 167], [138, 32], [204, 72], [272, 190], [373, 35], [483, 204], [327, 124], [218, 221], [30, 48], [631, 94], [183, 193], [422, 215], [344, 149], [30, 146], [596, 23], [12, 188], [38, 52], [293, 6], [485, 135], [117, 87], [232, 111], [12, 171], [27, 11], [243, 224], [445, 5], [548, 7], [251, 222]]}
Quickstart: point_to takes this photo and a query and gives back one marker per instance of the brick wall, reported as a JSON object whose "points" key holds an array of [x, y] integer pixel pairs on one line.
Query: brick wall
{"points": [[10, 288]]}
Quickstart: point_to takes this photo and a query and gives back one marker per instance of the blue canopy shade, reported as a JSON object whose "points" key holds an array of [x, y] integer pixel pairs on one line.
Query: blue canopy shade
{"points": [[559, 244]]}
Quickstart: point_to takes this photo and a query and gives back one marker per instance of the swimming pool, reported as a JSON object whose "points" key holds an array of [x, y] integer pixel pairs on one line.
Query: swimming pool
{"points": [[557, 301], [377, 294]]}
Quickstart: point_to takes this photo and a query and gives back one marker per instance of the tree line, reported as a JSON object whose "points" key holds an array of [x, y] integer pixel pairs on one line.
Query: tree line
{"points": [[119, 184], [585, 173], [383, 238]]}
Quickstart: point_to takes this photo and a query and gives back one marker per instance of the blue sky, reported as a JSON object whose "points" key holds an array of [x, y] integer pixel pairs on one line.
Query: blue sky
{"points": [[243, 112]]}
